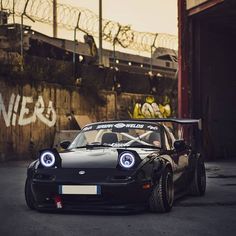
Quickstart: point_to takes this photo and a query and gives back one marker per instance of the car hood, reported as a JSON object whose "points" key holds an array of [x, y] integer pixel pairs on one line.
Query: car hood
{"points": [[96, 158]]}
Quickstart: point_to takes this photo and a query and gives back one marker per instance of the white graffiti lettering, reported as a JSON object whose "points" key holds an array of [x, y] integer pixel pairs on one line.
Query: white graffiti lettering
{"points": [[7, 115], [17, 101], [26, 114], [23, 120]]}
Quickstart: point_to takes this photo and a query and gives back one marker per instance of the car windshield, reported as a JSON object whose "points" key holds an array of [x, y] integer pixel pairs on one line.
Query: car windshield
{"points": [[125, 134]]}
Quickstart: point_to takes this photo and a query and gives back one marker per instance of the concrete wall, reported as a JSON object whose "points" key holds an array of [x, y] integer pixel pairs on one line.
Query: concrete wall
{"points": [[32, 113]]}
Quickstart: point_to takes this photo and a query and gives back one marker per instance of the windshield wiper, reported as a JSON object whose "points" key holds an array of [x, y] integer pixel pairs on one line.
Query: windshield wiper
{"points": [[90, 146], [143, 146]]}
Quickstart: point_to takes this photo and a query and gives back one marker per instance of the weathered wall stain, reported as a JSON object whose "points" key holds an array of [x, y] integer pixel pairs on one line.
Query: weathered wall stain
{"points": [[19, 113]]}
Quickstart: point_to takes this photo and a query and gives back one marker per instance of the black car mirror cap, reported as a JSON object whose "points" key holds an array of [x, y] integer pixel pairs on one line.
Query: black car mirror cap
{"points": [[179, 145], [65, 144]]}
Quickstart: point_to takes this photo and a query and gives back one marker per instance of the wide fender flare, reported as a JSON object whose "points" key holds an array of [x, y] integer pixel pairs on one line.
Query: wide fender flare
{"points": [[195, 158], [159, 166], [31, 168]]}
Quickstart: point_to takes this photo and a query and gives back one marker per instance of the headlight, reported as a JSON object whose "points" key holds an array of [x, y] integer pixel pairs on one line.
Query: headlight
{"points": [[47, 159], [127, 159]]}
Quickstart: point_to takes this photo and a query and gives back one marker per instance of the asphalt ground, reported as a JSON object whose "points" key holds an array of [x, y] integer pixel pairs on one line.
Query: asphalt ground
{"points": [[213, 214]]}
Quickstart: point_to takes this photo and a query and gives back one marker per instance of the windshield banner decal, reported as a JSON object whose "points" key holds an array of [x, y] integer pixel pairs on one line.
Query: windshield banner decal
{"points": [[121, 126]]}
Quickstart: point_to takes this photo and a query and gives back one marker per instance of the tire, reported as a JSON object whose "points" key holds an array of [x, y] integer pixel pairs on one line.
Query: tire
{"points": [[162, 196], [198, 185], [29, 198]]}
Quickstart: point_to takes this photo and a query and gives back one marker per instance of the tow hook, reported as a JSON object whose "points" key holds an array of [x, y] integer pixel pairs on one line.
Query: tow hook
{"points": [[58, 202]]}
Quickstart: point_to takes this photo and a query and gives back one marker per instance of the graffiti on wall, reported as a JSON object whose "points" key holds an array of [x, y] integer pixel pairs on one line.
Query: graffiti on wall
{"points": [[150, 109], [23, 111]]}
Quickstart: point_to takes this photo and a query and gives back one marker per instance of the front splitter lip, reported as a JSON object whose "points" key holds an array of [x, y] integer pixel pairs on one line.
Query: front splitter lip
{"points": [[72, 182], [130, 208]]}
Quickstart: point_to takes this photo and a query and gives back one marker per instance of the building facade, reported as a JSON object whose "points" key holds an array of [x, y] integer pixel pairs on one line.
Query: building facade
{"points": [[207, 84]]}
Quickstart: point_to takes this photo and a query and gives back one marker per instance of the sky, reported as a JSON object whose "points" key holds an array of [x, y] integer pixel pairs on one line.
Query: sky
{"points": [[143, 15], [155, 16]]}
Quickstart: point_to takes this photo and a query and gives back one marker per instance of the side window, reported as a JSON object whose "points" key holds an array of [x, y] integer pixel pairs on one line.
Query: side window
{"points": [[170, 137], [168, 146]]}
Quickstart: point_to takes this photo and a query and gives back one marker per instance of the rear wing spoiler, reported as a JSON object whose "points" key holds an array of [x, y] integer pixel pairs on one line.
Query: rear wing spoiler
{"points": [[195, 137], [198, 122]]}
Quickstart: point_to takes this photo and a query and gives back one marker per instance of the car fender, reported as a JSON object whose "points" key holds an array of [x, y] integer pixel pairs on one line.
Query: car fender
{"points": [[159, 166], [31, 168]]}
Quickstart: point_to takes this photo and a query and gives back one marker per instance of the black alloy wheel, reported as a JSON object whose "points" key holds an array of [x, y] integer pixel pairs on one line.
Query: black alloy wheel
{"points": [[198, 185], [162, 197]]}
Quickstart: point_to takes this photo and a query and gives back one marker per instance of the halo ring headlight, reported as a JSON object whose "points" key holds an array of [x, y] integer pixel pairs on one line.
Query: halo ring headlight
{"points": [[47, 159], [127, 160]]}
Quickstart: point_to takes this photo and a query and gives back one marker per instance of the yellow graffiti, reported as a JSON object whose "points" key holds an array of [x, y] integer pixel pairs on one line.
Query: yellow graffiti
{"points": [[150, 109], [165, 110]]}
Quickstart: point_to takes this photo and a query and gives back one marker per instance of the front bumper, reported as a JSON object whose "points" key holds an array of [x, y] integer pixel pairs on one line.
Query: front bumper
{"points": [[115, 195]]}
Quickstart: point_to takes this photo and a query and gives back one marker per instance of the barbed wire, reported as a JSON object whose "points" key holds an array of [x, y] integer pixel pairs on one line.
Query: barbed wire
{"points": [[113, 32]]}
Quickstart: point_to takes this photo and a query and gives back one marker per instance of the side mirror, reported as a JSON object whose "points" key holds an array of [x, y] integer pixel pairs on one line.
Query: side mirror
{"points": [[179, 145], [65, 144]]}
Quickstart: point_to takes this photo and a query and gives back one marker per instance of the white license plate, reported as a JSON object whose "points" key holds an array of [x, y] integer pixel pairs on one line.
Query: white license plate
{"points": [[80, 189]]}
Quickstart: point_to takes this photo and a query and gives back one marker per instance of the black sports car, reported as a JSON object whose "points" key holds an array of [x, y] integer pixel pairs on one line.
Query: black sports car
{"points": [[117, 165]]}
